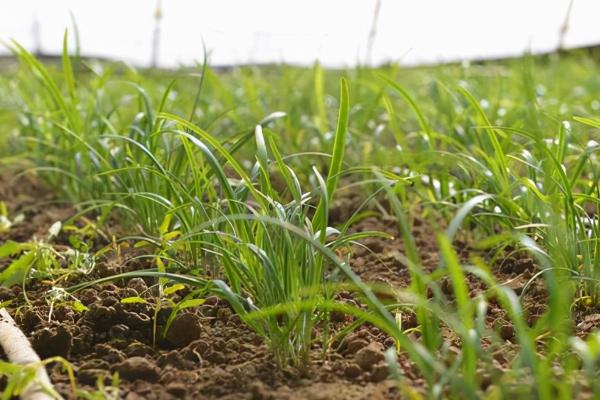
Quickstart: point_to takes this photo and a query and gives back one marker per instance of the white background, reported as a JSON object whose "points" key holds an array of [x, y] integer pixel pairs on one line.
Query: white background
{"points": [[300, 31]]}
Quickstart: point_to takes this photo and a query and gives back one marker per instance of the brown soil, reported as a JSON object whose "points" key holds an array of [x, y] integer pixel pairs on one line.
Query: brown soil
{"points": [[208, 353]]}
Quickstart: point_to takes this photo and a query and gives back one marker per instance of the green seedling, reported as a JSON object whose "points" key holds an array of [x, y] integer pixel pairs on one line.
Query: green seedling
{"points": [[166, 300], [42, 260]]}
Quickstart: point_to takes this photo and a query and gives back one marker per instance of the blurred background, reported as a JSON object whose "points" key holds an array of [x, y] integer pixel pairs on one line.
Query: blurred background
{"points": [[340, 33]]}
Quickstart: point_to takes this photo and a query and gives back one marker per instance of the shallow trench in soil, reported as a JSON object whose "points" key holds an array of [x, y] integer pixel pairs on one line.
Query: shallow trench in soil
{"points": [[209, 353]]}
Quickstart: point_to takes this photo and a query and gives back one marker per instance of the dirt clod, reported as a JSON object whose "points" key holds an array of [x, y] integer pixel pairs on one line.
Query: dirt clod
{"points": [[31, 319], [138, 368], [185, 329], [507, 332], [138, 284], [119, 331], [137, 349], [352, 371], [368, 356], [90, 376], [177, 389], [258, 391], [354, 343], [379, 372], [50, 342], [5, 294]]}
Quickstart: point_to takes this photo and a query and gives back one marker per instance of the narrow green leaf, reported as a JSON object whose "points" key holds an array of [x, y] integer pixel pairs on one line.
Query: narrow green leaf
{"points": [[173, 289], [133, 300], [68, 68]]}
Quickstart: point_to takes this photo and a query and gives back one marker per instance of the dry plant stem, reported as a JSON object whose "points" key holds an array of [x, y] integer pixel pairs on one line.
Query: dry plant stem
{"points": [[19, 351]]}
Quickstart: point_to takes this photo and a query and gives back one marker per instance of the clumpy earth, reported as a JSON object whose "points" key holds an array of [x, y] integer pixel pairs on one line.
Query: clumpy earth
{"points": [[208, 353]]}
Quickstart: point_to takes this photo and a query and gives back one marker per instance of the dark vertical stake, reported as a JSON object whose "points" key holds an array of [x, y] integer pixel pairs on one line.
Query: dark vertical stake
{"points": [[156, 34], [35, 32], [372, 32], [564, 28]]}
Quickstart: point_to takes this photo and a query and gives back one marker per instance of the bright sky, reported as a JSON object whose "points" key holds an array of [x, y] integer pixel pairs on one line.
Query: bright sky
{"points": [[300, 31]]}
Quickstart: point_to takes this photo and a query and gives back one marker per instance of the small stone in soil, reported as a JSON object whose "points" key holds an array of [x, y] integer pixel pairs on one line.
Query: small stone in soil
{"points": [[368, 356], [138, 368]]}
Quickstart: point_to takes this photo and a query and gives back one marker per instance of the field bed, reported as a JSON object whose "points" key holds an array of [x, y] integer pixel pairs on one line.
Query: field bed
{"points": [[209, 352], [282, 232]]}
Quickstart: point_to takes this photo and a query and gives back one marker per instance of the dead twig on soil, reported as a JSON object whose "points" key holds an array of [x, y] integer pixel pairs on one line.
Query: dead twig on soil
{"points": [[19, 351]]}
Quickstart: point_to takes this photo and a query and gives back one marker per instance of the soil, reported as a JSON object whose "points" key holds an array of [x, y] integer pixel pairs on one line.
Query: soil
{"points": [[209, 353]]}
